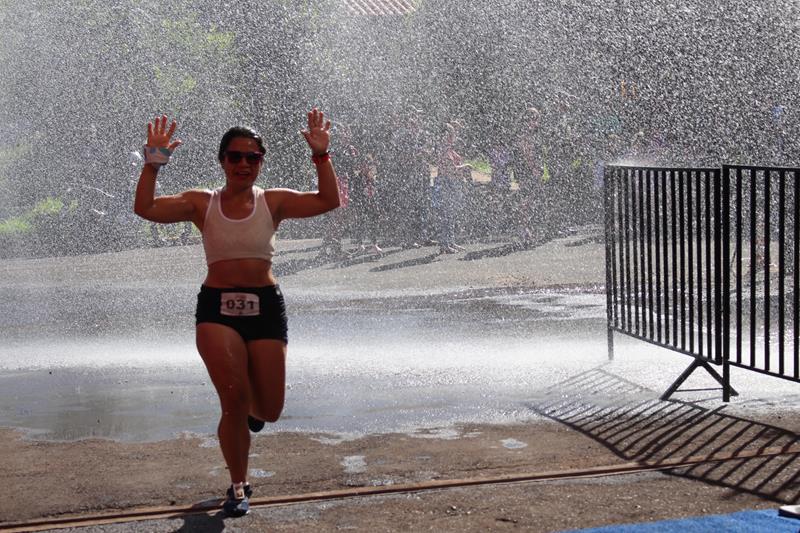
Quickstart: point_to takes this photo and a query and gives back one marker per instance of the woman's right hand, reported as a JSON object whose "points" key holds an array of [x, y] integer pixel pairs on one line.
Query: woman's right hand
{"points": [[158, 136]]}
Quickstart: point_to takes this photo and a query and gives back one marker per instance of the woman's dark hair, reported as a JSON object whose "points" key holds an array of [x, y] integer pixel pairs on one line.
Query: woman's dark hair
{"points": [[239, 131]]}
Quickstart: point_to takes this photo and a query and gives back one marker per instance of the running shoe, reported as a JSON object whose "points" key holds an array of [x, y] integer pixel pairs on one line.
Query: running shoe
{"points": [[255, 424], [237, 504]]}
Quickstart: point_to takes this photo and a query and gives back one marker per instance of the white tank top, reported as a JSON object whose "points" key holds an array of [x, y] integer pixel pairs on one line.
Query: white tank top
{"points": [[250, 237]]}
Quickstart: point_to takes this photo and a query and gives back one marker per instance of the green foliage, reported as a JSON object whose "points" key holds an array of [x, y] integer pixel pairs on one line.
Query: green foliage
{"points": [[481, 165], [200, 49], [48, 206], [26, 222], [15, 226], [189, 35], [545, 173], [174, 81], [221, 41]]}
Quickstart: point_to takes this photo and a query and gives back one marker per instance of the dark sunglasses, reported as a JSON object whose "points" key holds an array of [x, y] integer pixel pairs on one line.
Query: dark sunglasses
{"points": [[252, 158]]}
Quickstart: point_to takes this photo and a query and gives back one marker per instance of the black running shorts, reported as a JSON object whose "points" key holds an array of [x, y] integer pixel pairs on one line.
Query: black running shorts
{"points": [[254, 312]]}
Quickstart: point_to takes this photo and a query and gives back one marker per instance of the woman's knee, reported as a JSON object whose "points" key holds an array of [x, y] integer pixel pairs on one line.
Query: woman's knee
{"points": [[235, 400], [270, 409], [274, 413]]}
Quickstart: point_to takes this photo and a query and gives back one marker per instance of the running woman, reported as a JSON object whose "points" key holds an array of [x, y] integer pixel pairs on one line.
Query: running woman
{"points": [[241, 331]]}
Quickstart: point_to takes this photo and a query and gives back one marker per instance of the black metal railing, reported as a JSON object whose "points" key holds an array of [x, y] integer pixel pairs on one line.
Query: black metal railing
{"points": [[706, 262], [660, 243], [664, 263], [762, 226]]}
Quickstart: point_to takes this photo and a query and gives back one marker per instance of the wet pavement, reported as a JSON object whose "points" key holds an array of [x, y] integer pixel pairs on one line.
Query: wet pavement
{"points": [[355, 367], [103, 345], [405, 368]]}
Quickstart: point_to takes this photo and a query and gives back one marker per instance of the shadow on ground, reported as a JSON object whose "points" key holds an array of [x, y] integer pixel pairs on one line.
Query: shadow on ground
{"points": [[290, 267], [500, 251], [634, 424], [409, 263], [202, 523]]}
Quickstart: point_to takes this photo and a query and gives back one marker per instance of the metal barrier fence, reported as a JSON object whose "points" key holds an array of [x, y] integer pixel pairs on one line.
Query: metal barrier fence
{"points": [[706, 262], [761, 222], [664, 274]]}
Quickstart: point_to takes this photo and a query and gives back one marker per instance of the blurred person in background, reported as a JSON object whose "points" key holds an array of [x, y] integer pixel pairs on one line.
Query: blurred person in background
{"points": [[449, 189]]}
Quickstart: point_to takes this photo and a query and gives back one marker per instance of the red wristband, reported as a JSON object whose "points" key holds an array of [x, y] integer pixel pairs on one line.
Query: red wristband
{"points": [[321, 158]]}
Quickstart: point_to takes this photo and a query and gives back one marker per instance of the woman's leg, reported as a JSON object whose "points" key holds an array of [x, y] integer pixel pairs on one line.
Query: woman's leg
{"points": [[225, 355], [267, 371]]}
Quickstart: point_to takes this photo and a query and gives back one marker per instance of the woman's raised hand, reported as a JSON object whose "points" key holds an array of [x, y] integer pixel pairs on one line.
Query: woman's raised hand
{"points": [[158, 136], [318, 134]]}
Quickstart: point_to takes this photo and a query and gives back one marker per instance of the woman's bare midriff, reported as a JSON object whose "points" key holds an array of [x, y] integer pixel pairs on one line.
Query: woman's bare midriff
{"points": [[240, 273]]}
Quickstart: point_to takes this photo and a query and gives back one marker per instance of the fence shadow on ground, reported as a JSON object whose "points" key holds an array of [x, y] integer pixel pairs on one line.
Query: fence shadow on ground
{"points": [[636, 425]]}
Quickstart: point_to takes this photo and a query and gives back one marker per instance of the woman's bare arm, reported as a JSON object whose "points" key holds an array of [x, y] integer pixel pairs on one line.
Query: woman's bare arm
{"points": [[166, 209], [295, 204]]}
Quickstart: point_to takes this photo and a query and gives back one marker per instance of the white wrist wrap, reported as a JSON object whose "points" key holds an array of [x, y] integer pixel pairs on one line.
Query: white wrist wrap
{"points": [[156, 156]]}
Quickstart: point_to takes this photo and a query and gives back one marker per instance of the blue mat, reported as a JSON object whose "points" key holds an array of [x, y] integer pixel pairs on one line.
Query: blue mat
{"points": [[744, 522]]}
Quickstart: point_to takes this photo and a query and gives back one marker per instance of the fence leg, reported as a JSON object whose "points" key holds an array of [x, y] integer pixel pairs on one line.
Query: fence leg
{"points": [[610, 344], [724, 381], [726, 385]]}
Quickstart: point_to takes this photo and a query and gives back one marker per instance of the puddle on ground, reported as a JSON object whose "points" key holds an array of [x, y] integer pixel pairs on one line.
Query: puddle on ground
{"points": [[513, 444], [259, 473], [354, 464]]}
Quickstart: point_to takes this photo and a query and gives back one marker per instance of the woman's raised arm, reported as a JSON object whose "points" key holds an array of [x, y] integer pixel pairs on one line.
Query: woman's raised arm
{"points": [[294, 204], [157, 151]]}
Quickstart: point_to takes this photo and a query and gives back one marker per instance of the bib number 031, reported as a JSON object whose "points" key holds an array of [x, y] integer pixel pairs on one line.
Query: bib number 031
{"points": [[239, 304]]}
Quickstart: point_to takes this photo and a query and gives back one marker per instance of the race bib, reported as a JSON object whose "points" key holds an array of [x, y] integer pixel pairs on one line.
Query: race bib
{"points": [[239, 304]]}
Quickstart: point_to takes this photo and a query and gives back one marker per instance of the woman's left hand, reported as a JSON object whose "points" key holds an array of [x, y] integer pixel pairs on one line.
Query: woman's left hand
{"points": [[318, 134]]}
